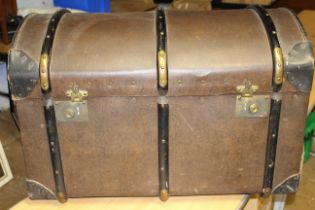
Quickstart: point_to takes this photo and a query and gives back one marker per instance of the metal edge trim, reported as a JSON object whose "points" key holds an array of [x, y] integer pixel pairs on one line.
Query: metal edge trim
{"points": [[49, 194], [284, 181]]}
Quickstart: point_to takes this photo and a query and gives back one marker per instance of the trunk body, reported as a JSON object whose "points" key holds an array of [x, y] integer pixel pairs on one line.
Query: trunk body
{"points": [[113, 149]]}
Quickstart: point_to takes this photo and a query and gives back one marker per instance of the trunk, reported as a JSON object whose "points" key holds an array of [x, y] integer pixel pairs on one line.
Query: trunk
{"points": [[179, 103]]}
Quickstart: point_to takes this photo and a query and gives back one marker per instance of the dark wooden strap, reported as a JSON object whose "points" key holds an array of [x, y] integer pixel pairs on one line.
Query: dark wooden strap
{"points": [[275, 48], [163, 123], [49, 110], [162, 107], [161, 52], [272, 139], [275, 106]]}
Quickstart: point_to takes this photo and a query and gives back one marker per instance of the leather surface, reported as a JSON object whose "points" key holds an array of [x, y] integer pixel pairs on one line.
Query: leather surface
{"points": [[113, 57], [35, 142], [211, 150], [210, 53], [291, 136], [33, 28], [115, 152], [107, 55]]}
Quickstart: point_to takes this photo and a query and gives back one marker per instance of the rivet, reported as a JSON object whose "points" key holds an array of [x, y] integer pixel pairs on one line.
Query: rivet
{"points": [[69, 113], [253, 108]]}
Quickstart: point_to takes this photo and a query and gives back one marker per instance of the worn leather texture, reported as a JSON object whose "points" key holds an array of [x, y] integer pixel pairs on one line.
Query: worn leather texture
{"points": [[113, 57], [128, 65]]}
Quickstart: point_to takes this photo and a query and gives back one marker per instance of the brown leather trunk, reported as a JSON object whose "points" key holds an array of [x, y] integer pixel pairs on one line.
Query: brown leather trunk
{"points": [[113, 150]]}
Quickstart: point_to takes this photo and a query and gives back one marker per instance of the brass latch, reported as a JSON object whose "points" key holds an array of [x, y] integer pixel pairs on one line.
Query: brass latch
{"points": [[75, 109], [247, 89], [75, 94], [250, 105]]}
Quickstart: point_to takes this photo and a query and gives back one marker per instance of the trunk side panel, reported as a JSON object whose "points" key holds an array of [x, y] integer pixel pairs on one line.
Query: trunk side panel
{"points": [[211, 150], [114, 153]]}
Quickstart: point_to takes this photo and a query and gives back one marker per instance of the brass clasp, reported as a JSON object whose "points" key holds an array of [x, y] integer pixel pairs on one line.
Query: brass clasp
{"points": [[247, 89], [75, 94], [74, 110], [250, 105]]}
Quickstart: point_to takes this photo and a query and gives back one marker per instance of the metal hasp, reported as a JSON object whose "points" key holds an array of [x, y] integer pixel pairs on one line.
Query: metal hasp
{"points": [[248, 104], [75, 94], [74, 110], [275, 105], [49, 110], [247, 89], [162, 106]]}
